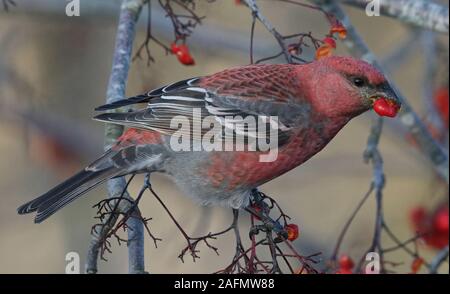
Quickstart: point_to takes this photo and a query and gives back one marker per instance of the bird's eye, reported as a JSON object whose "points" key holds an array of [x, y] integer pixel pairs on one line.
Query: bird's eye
{"points": [[358, 82]]}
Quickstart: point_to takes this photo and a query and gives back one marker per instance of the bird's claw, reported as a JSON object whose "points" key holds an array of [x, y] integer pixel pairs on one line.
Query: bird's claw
{"points": [[283, 235]]}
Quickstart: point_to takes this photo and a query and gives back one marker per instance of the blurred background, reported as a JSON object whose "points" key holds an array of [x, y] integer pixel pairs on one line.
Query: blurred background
{"points": [[54, 71]]}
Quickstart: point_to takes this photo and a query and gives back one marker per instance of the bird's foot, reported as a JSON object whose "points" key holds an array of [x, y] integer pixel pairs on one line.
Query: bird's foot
{"points": [[261, 210]]}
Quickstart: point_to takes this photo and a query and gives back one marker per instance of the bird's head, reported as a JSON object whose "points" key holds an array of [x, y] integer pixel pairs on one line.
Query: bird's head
{"points": [[347, 87]]}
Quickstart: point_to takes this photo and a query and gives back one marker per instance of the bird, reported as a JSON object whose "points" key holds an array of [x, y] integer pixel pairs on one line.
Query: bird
{"points": [[307, 104]]}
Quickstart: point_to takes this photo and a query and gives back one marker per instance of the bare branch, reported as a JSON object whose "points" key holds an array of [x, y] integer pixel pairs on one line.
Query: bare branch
{"points": [[348, 223], [266, 23], [438, 260], [429, 48], [400, 53], [373, 155], [129, 13], [421, 13], [7, 3]]}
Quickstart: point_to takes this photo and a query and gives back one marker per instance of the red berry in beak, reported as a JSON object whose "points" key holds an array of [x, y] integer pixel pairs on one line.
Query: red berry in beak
{"points": [[385, 107]]}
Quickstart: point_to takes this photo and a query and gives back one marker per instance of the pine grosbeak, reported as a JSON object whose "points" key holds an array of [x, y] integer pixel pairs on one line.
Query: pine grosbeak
{"points": [[312, 101]]}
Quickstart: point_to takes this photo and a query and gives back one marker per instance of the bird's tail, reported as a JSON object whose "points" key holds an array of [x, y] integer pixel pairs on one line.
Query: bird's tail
{"points": [[69, 190]]}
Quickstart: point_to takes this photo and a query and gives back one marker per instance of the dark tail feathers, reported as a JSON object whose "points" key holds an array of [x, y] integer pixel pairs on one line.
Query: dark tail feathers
{"points": [[124, 102], [66, 192]]}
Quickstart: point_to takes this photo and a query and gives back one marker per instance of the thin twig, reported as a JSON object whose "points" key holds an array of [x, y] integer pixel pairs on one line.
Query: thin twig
{"points": [[348, 223], [268, 25], [7, 3]]}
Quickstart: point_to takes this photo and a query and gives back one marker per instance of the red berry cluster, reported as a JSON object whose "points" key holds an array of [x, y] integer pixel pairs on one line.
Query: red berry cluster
{"points": [[441, 103], [182, 53], [433, 227], [329, 43], [292, 230], [346, 265]]}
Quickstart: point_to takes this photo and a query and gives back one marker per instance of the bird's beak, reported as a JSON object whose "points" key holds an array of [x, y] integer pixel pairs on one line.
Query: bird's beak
{"points": [[385, 101]]}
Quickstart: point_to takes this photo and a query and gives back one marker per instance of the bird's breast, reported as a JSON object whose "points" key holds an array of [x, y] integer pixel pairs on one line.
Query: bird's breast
{"points": [[236, 170]]}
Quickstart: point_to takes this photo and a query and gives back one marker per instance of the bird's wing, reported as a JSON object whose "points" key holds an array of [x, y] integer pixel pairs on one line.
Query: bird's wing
{"points": [[246, 101], [144, 98]]}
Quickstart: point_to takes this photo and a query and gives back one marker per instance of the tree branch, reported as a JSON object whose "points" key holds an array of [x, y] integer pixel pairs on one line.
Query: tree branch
{"points": [[408, 117], [420, 13], [372, 154], [129, 14], [266, 23], [429, 48], [440, 257]]}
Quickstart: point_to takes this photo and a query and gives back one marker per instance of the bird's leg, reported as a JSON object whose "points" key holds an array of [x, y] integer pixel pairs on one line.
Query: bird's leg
{"points": [[240, 251], [235, 226], [261, 210]]}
